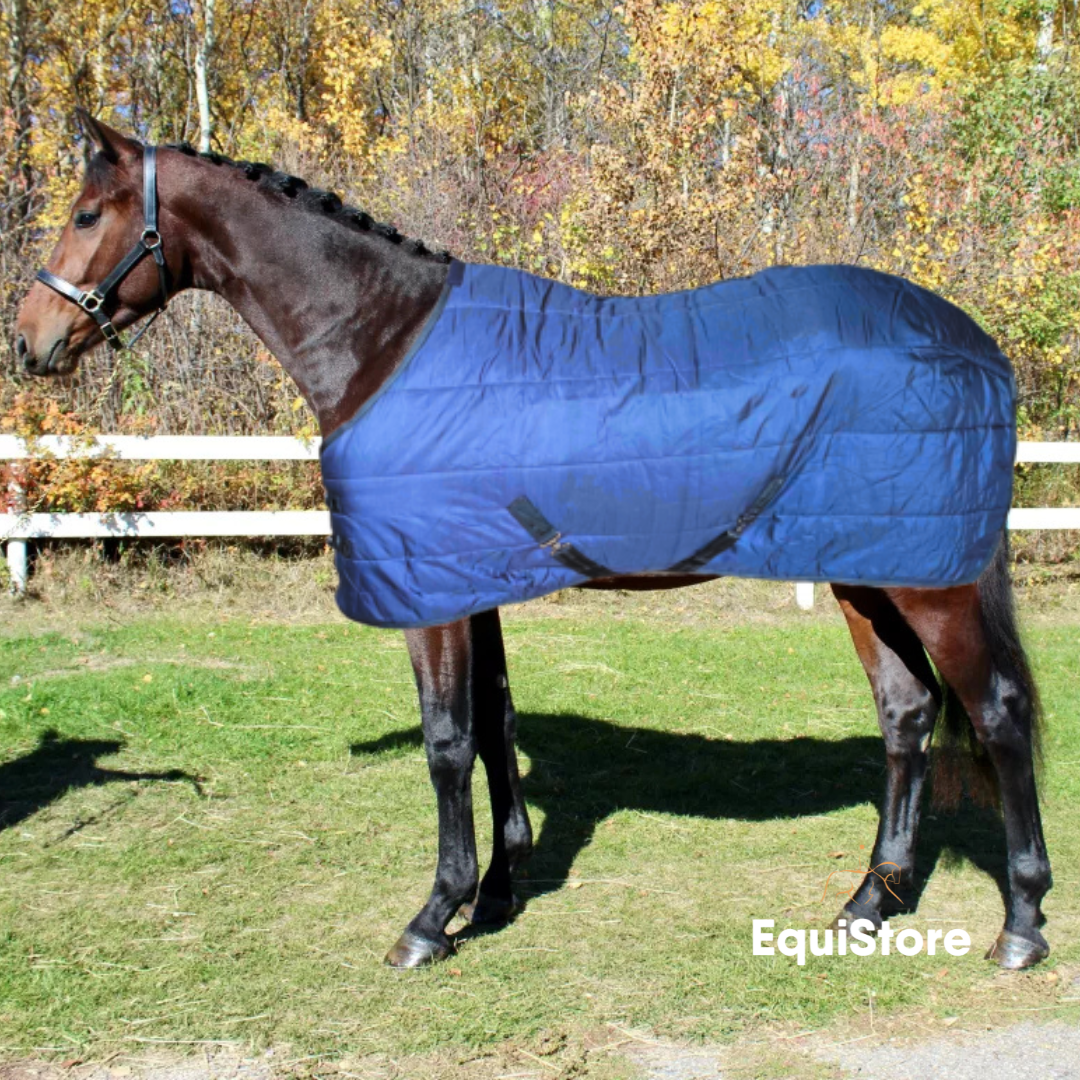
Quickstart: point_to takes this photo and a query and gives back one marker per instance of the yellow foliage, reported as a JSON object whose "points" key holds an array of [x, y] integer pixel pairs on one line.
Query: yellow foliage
{"points": [[354, 54], [658, 145]]}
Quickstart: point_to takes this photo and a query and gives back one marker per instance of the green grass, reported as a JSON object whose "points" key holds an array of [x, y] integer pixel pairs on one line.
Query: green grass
{"points": [[215, 830]]}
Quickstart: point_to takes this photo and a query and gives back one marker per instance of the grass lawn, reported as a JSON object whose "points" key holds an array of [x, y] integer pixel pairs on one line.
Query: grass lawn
{"points": [[214, 827]]}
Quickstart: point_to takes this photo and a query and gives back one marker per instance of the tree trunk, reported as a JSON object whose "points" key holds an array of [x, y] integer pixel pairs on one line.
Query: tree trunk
{"points": [[202, 64], [854, 173], [1044, 42], [18, 104], [303, 61]]}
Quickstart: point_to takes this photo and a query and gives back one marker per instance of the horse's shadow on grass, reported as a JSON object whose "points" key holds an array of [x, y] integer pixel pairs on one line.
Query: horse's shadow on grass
{"points": [[584, 769], [57, 765]]}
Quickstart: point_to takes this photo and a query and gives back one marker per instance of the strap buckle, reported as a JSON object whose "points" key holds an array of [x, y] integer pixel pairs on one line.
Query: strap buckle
{"points": [[91, 301], [151, 239]]}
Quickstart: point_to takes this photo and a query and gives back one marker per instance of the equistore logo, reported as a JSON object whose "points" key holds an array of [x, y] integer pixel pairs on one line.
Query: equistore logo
{"points": [[859, 937]]}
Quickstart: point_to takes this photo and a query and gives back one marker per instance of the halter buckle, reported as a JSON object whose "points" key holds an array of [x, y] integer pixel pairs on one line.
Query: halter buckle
{"points": [[151, 239], [91, 301]]}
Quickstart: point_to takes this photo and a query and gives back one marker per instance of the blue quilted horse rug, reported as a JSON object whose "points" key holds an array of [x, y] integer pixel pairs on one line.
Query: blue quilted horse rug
{"points": [[824, 423]]}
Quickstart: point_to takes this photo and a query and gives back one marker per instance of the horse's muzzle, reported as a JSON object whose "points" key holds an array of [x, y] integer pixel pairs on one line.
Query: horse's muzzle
{"points": [[58, 360]]}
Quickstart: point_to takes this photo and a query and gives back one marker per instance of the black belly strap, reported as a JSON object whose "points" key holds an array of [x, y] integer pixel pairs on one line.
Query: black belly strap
{"points": [[727, 539], [547, 536], [532, 520]]}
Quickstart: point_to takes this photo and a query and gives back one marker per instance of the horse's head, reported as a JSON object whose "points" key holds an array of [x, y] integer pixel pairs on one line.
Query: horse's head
{"points": [[54, 328]]}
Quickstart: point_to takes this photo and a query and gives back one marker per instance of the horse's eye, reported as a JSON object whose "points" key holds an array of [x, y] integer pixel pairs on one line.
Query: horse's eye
{"points": [[84, 219]]}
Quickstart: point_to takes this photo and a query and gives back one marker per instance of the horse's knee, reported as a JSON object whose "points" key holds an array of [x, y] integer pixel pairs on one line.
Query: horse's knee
{"points": [[450, 759]]}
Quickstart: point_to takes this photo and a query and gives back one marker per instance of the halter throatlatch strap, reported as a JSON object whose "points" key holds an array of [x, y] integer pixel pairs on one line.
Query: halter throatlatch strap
{"points": [[93, 300]]}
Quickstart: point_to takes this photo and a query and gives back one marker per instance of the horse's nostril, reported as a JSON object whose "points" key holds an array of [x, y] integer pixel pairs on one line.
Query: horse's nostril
{"points": [[22, 348]]}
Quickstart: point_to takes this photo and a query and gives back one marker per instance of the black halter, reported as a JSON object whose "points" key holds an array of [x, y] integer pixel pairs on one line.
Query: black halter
{"points": [[93, 300]]}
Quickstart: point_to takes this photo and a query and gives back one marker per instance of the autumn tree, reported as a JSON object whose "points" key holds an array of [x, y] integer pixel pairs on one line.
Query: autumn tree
{"points": [[654, 145]]}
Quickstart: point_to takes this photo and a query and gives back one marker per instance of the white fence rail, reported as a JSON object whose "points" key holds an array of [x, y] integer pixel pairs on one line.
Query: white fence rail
{"points": [[19, 527], [170, 447]]}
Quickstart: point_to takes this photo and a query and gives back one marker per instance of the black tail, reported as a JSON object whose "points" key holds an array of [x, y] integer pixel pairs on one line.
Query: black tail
{"points": [[960, 760]]}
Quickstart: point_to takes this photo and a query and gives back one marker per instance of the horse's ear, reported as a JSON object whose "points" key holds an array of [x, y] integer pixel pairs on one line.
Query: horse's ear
{"points": [[114, 146]]}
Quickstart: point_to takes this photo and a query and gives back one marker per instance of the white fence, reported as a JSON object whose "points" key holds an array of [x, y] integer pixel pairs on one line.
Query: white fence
{"points": [[19, 527]]}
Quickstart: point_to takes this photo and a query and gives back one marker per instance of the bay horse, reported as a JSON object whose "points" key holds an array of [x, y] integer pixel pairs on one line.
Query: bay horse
{"points": [[339, 299]]}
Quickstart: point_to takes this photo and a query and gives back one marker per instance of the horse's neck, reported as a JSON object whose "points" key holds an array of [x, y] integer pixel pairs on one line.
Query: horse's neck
{"points": [[338, 308]]}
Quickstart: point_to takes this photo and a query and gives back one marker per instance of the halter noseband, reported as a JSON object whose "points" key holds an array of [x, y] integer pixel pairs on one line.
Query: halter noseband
{"points": [[93, 300]]}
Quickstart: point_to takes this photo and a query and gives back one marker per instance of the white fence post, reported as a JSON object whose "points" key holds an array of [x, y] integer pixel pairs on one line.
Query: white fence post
{"points": [[804, 594], [16, 549], [16, 560]]}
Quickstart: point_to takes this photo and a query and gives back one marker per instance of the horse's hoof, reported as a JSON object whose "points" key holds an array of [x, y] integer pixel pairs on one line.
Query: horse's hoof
{"points": [[849, 918], [1015, 952], [412, 951], [490, 911]]}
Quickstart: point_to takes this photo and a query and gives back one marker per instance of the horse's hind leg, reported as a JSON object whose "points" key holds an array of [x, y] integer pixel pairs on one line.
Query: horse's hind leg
{"points": [[442, 659], [907, 698], [495, 724], [971, 636]]}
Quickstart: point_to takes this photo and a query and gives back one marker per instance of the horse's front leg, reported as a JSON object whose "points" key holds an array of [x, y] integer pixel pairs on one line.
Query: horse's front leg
{"points": [[442, 659], [496, 726]]}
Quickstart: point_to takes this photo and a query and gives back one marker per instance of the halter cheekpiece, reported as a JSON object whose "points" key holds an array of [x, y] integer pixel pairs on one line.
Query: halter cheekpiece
{"points": [[93, 300]]}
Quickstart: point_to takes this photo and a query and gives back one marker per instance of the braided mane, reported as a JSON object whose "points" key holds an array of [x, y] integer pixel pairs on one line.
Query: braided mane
{"points": [[315, 200]]}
